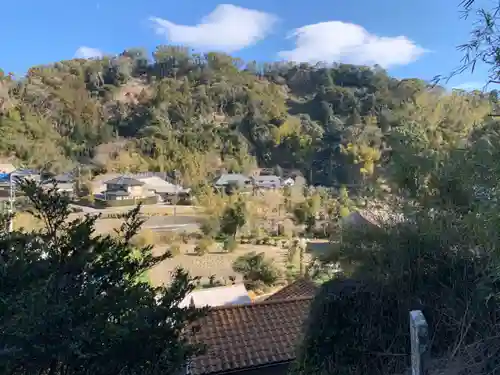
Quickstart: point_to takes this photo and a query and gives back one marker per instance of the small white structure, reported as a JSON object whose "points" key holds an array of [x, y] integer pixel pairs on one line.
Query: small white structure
{"points": [[158, 185], [288, 181], [217, 296]]}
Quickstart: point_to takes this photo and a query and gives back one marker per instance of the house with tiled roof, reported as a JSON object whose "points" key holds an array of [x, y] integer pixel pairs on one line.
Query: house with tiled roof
{"points": [[123, 187], [251, 339], [298, 289]]}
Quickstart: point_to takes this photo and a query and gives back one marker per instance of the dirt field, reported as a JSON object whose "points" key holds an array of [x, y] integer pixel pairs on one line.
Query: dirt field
{"points": [[214, 263]]}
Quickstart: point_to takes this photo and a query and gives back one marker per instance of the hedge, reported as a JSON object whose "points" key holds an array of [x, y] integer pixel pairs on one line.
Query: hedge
{"points": [[125, 202]]}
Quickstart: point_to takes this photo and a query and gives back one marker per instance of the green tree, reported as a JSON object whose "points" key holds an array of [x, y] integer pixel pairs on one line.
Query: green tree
{"points": [[484, 45], [233, 218], [442, 258], [73, 302], [305, 212], [257, 271]]}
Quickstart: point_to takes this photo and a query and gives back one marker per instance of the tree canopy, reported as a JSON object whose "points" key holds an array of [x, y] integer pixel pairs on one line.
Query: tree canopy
{"points": [[199, 113], [73, 302]]}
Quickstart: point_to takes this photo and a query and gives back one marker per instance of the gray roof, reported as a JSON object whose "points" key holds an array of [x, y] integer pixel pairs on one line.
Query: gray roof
{"points": [[126, 181], [162, 175], [267, 178], [233, 178], [267, 181], [64, 177]]}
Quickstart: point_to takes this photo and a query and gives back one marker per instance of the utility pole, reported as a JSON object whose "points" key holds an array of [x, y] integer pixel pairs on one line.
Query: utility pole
{"points": [[176, 186]]}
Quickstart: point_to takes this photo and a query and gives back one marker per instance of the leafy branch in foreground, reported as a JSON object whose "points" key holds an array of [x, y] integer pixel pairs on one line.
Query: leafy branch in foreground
{"points": [[72, 302]]}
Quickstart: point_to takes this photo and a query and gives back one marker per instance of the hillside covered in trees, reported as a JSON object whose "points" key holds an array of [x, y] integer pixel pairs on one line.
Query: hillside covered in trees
{"points": [[201, 113]]}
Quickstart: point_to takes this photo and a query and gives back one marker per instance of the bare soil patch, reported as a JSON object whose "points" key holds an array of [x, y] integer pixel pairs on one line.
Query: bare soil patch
{"points": [[214, 263]]}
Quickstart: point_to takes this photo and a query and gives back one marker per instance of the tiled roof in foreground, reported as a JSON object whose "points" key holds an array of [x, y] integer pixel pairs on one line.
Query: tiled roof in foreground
{"points": [[249, 336], [298, 289]]}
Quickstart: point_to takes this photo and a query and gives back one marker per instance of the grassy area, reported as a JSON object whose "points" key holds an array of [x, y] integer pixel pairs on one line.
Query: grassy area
{"points": [[169, 210], [27, 221]]}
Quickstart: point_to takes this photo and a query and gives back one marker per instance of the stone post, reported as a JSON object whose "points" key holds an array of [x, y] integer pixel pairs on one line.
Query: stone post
{"points": [[419, 335]]}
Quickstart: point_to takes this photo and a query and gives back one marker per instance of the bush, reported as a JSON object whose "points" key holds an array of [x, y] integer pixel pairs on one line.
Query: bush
{"points": [[203, 246], [230, 245], [184, 236], [210, 227], [392, 271], [130, 202], [175, 250], [256, 270], [145, 237]]}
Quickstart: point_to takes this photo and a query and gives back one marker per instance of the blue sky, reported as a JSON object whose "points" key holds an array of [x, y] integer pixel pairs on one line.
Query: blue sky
{"points": [[410, 38]]}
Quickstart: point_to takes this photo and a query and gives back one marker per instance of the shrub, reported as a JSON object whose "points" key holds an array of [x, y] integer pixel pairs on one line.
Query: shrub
{"points": [[184, 236], [175, 249], [210, 226], [145, 237], [256, 270], [230, 245], [203, 246], [405, 267]]}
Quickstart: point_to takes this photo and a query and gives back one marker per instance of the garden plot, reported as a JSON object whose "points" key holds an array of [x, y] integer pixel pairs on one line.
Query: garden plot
{"points": [[214, 263]]}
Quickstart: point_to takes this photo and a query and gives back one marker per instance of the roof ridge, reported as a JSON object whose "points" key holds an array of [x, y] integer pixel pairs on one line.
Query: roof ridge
{"points": [[263, 303], [217, 287]]}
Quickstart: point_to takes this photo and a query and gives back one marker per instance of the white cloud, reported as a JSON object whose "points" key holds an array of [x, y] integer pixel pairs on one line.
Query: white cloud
{"points": [[227, 28], [337, 41], [88, 53]]}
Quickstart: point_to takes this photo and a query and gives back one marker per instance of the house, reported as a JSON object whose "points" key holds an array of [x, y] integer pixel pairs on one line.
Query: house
{"points": [[376, 215], [159, 186], [359, 219], [98, 183], [123, 187], [237, 179], [254, 338], [30, 174], [217, 296], [65, 182], [267, 182], [64, 178], [251, 339], [298, 289], [155, 183]]}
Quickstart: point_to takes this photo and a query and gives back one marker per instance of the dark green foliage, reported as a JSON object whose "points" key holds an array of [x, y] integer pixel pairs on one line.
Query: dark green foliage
{"points": [[230, 244], [257, 271], [442, 259], [198, 113], [351, 325], [73, 302], [233, 218], [360, 325]]}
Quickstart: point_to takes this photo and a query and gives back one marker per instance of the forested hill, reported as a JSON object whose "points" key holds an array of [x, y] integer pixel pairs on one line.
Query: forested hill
{"points": [[201, 113]]}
